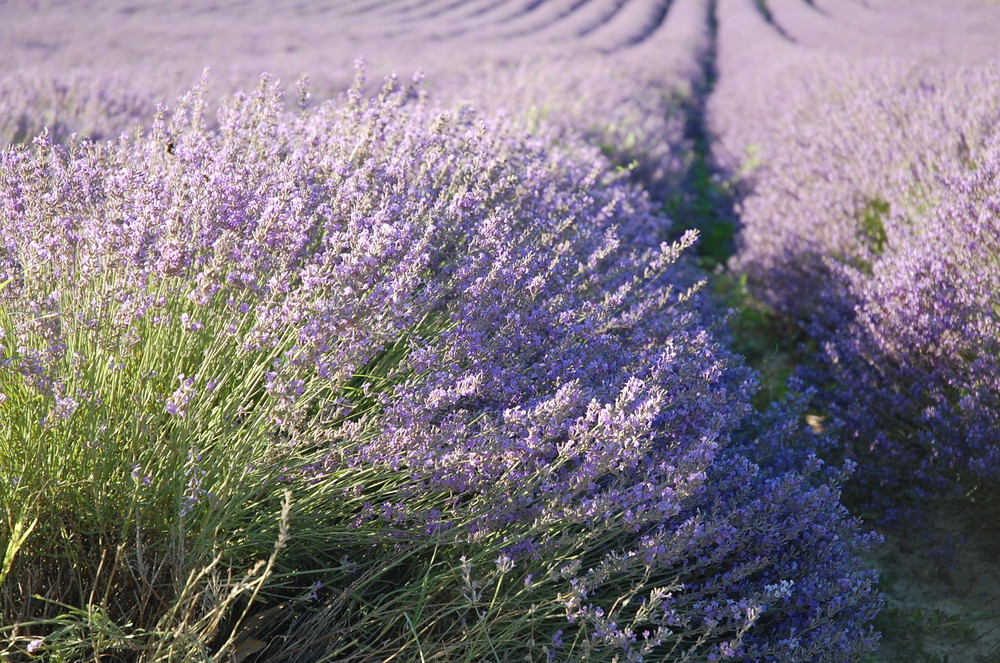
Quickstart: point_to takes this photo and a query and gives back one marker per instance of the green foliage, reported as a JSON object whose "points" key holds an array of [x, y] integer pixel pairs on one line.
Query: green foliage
{"points": [[160, 527], [771, 344], [872, 223], [705, 204]]}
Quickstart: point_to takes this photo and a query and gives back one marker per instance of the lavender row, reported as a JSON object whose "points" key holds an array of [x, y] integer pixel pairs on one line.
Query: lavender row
{"points": [[100, 107], [864, 195], [627, 87], [933, 32], [923, 345], [434, 294], [881, 137], [79, 61]]}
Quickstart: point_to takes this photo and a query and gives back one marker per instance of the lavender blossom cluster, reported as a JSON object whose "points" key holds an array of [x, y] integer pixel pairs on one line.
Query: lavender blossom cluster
{"points": [[436, 292]]}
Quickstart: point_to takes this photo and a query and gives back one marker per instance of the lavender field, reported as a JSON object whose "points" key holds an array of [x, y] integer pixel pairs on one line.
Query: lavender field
{"points": [[500, 330]]}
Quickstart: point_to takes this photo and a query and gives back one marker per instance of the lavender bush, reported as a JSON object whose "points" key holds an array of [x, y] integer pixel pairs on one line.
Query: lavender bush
{"points": [[384, 379]]}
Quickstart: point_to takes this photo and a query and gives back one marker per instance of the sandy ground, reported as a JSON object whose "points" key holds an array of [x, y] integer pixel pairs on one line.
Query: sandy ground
{"points": [[942, 586]]}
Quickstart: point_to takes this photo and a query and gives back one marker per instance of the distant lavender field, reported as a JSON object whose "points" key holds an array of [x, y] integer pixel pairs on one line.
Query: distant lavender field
{"points": [[411, 330]]}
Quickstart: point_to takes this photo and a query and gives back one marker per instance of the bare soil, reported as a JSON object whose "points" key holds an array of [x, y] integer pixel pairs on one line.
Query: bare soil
{"points": [[941, 582]]}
